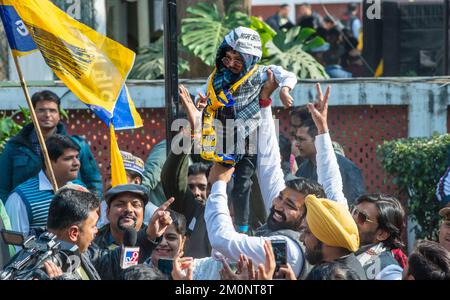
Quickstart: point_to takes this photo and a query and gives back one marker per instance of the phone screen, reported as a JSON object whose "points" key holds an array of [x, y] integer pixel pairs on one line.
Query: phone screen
{"points": [[280, 252], [165, 265]]}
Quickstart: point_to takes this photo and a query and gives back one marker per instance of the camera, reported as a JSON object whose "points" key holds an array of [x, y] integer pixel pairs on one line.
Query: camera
{"points": [[28, 262]]}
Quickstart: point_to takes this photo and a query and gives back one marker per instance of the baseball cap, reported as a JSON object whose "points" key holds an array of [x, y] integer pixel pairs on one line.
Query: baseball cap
{"points": [[127, 188], [132, 163]]}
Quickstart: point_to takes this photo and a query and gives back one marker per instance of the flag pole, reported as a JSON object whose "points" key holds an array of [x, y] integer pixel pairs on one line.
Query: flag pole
{"points": [[36, 123]]}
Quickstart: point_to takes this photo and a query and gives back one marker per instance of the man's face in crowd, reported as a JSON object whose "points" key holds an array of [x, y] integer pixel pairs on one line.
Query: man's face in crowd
{"points": [[305, 143], [171, 244], [365, 215], [67, 166], [286, 211], [233, 61], [444, 233], [305, 10], [197, 185], [313, 247], [126, 210], [284, 12], [87, 231], [47, 114]]}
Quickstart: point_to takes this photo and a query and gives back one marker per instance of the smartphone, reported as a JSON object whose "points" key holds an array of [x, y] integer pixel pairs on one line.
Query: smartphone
{"points": [[280, 252], [165, 265]]}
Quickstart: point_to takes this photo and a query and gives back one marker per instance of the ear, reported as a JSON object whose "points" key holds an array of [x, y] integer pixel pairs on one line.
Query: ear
{"points": [[382, 235], [74, 232]]}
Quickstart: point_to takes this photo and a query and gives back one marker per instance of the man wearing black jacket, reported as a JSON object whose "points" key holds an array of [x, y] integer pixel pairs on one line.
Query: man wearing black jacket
{"points": [[73, 216]]}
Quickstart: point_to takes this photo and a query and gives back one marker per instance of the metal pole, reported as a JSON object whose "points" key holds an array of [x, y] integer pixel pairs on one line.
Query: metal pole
{"points": [[170, 65], [446, 7]]}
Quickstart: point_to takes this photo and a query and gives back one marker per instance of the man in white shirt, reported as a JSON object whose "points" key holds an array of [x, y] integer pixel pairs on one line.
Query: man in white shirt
{"points": [[284, 201], [27, 205]]}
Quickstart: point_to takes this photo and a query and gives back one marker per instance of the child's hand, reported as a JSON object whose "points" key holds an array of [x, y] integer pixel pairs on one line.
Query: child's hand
{"points": [[285, 97]]}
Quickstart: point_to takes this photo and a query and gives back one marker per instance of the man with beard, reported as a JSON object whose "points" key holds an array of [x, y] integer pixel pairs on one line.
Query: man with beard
{"points": [[330, 235], [380, 221], [284, 201], [125, 208]]}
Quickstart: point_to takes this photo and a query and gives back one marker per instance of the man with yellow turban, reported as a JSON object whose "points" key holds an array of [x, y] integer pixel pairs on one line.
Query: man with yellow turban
{"points": [[330, 235]]}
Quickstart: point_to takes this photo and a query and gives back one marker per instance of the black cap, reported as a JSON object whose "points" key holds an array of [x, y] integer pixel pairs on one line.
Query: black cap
{"points": [[137, 189]]}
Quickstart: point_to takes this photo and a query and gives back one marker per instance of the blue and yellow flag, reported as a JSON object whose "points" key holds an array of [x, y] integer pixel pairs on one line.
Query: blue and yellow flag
{"points": [[91, 65], [19, 38], [125, 115]]}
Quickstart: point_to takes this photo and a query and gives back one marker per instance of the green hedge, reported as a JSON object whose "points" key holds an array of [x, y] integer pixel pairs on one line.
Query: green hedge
{"points": [[416, 164]]}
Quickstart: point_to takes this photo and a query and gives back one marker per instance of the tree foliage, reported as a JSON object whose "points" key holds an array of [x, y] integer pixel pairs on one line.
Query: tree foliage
{"points": [[416, 164]]}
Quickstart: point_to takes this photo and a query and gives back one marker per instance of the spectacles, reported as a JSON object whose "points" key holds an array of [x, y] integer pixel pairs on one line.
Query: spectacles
{"points": [[43, 111], [361, 217], [229, 61]]}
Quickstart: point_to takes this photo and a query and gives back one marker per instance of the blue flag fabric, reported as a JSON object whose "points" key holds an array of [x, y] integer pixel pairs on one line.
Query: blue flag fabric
{"points": [[19, 38]]}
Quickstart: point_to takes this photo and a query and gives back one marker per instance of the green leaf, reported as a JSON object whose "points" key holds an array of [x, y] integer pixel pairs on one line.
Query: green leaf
{"points": [[286, 50], [203, 33], [149, 62]]}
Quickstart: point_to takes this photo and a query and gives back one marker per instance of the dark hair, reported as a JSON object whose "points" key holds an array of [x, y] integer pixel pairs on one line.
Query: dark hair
{"points": [[285, 148], [327, 19], [351, 7], [306, 186], [143, 272], [56, 145], [312, 128], [284, 5], [179, 221], [391, 217], [332, 271], [221, 52], [301, 112], [199, 168], [134, 174], [70, 207], [331, 57], [45, 96], [429, 261]]}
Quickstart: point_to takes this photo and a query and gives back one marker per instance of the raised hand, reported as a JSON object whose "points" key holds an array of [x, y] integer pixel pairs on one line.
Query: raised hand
{"points": [[192, 111], [159, 221], [52, 270], [319, 109], [285, 272], [266, 271], [179, 265], [219, 172], [285, 97]]}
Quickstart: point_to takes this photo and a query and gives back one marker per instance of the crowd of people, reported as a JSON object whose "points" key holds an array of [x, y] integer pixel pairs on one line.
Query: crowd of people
{"points": [[245, 216], [341, 54]]}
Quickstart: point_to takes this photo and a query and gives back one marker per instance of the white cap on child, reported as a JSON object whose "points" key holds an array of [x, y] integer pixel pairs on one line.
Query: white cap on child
{"points": [[245, 40]]}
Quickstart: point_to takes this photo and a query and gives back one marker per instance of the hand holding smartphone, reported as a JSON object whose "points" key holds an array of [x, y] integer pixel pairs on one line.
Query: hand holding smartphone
{"points": [[280, 252]]}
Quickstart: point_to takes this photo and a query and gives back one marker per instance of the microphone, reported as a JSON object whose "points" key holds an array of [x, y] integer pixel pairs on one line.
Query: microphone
{"points": [[130, 254]]}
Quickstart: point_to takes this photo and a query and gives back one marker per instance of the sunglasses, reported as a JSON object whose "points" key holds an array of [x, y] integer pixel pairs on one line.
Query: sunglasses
{"points": [[229, 61], [361, 217]]}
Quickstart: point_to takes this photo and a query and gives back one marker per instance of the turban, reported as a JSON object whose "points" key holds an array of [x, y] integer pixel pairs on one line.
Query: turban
{"points": [[331, 223]]}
